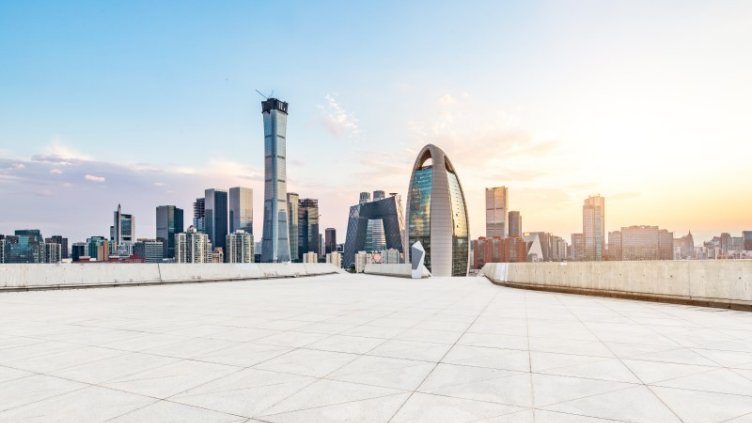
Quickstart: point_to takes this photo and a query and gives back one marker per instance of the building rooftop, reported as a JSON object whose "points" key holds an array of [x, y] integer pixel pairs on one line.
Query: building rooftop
{"points": [[367, 348]]}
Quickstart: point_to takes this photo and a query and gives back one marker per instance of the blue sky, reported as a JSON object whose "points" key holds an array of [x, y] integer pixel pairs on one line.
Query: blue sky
{"points": [[148, 103]]}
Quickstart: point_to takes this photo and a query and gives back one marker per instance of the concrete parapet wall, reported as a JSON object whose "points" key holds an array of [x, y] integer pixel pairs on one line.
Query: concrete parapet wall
{"points": [[726, 283], [81, 275], [402, 270]]}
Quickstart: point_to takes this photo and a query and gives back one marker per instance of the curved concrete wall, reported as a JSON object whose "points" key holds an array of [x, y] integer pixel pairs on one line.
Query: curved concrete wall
{"points": [[710, 282], [78, 275]]}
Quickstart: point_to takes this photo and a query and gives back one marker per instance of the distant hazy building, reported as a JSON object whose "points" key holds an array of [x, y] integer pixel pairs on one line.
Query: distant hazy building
{"points": [[216, 216], [544, 246], [497, 200], [361, 258], [334, 258], [515, 224], [124, 227], [2, 249], [199, 214], [98, 248], [78, 250], [577, 251], [391, 256], [169, 223], [25, 246], [684, 247], [293, 200], [217, 256], [594, 227], [275, 246], [239, 247], [308, 226], [330, 240], [192, 247], [498, 250], [59, 239], [52, 253], [241, 209], [375, 235], [310, 257], [747, 236], [149, 250], [388, 211], [641, 243], [437, 215]]}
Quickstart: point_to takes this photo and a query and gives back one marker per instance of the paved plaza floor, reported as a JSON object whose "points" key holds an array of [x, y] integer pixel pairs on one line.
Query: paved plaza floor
{"points": [[363, 348]]}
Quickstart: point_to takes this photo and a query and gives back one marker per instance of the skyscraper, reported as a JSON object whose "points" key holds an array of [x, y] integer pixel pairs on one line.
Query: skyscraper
{"points": [[437, 215], [515, 223], [241, 209], [308, 226], [292, 207], [377, 239], [124, 227], [199, 214], [275, 242], [389, 212], [192, 247], [239, 247], [594, 227], [216, 216], [330, 240], [497, 200], [58, 239], [169, 223]]}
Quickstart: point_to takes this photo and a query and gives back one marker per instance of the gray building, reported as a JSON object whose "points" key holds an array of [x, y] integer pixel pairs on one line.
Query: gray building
{"points": [[308, 226], [150, 250], [292, 208], [241, 209], [58, 239], [124, 227], [330, 240], [388, 211], [199, 214], [215, 215], [169, 223], [437, 214], [239, 247], [275, 241], [594, 227]]}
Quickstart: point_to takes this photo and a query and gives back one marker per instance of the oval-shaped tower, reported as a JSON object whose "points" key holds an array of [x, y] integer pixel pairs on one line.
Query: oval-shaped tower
{"points": [[437, 215]]}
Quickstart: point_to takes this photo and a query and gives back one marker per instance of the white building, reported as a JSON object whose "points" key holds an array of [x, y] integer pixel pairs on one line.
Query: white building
{"points": [[239, 247], [310, 257], [192, 247], [334, 258]]}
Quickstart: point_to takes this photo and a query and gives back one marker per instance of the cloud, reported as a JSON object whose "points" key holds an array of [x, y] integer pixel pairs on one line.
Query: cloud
{"points": [[623, 196], [59, 153], [94, 178], [56, 172], [336, 119]]}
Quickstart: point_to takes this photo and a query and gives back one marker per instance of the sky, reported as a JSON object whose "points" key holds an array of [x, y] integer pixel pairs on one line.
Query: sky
{"points": [[148, 103]]}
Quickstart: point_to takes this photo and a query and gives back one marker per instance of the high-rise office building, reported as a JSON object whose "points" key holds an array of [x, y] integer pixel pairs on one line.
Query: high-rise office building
{"points": [[52, 253], [150, 250], [578, 247], [377, 240], [497, 200], [78, 250], [308, 226], [215, 215], [275, 242], [98, 248], [515, 223], [2, 248], [239, 247], [241, 209], [437, 215], [58, 239], [192, 246], [594, 227], [26, 246], [199, 214], [169, 223], [330, 240], [747, 240], [124, 227], [641, 243], [388, 211], [684, 247], [293, 199]]}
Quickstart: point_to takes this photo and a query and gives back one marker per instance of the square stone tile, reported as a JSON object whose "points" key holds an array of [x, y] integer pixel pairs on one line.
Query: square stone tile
{"points": [[436, 409], [493, 358], [384, 372], [170, 412], [481, 384], [307, 362], [411, 350]]}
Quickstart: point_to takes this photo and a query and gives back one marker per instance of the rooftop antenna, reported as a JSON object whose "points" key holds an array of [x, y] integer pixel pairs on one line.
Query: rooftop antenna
{"points": [[266, 97]]}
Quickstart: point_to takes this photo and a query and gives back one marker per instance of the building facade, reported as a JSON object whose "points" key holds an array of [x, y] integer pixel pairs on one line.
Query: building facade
{"points": [[275, 242], [330, 240], [334, 258], [515, 223], [437, 215], [239, 247], [293, 200], [149, 250], [308, 226], [192, 247], [310, 257], [388, 212], [594, 227], [215, 214], [641, 243], [169, 223], [498, 250], [59, 239], [241, 209], [199, 214], [497, 200]]}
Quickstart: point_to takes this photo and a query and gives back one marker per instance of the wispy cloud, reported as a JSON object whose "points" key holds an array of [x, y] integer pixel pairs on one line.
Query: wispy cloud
{"points": [[94, 178], [336, 119]]}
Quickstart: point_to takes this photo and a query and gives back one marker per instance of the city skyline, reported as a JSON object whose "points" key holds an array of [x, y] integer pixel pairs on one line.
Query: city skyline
{"points": [[662, 138]]}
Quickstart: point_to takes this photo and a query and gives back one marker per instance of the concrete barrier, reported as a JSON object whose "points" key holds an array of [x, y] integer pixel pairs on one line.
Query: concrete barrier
{"points": [[723, 283], [402, 270], [15, 277]]}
